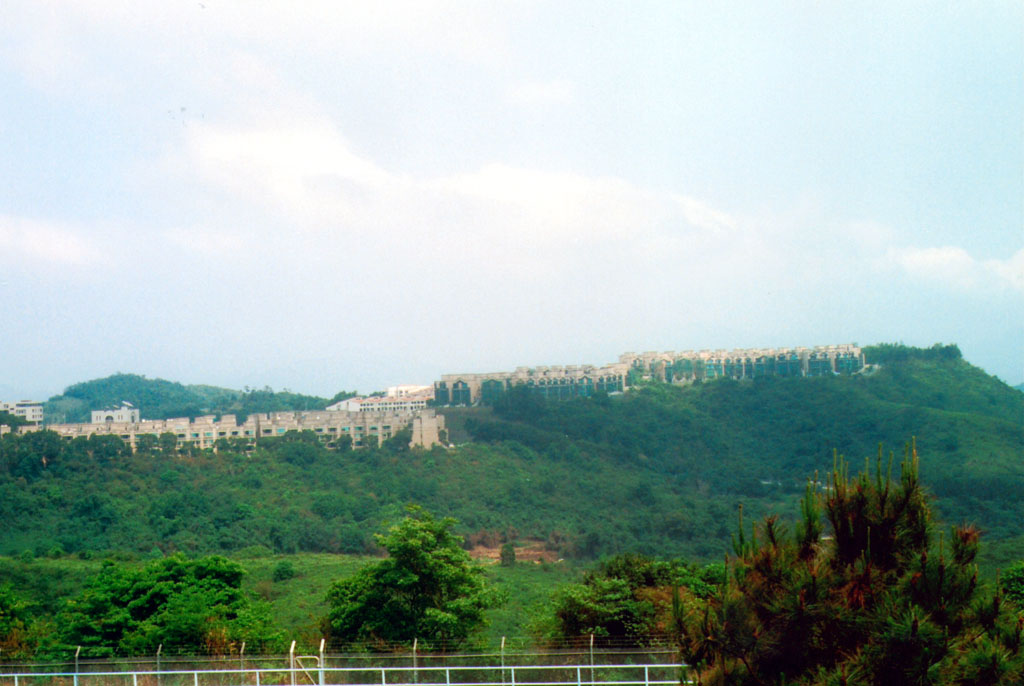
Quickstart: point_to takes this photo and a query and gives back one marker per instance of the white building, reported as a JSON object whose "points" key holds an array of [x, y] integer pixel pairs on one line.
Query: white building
{"points": [[403, 391], [30, 410], [363, 428], [126, 414], [413, 402], [407, 398]]}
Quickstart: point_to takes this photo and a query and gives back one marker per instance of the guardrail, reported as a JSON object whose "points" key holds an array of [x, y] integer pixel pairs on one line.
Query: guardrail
{"points": [[316, 674]]}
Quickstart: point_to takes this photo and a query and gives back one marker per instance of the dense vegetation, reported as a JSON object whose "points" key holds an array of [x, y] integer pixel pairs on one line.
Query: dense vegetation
{"points": [[657, 471], [877, 602], [160, 399], [654, 473], [428, 588]]}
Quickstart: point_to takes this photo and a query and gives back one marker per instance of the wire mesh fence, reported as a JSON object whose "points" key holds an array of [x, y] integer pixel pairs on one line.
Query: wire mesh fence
{"points": [[583, 662], [315, 672]]}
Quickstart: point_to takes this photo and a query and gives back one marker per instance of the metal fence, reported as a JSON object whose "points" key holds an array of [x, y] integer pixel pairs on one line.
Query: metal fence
{"points": [[585, 650], [314, 670]]}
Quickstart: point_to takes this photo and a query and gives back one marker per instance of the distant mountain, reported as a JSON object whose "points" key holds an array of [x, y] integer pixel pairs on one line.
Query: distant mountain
{"points": [[160, 399]]}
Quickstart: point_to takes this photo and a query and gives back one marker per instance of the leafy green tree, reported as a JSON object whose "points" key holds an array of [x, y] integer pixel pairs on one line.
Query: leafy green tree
{"points": [[13, 623], [876, 602], [627, 599], [508, 554], [1011, 583], [186, 605], [12, 420], [428, 588], [283, 571]]}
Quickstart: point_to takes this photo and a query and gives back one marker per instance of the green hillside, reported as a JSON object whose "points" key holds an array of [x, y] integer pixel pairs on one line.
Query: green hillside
{"points": [[160, 399], [660, 470]]}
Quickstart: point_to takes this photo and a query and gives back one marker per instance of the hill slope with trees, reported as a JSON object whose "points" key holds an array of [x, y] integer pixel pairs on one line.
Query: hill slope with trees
{"points": [[659, 471], [160, 399]]}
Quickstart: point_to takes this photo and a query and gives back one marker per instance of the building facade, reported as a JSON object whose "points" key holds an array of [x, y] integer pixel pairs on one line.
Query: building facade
{"points": [[555, 383], [399, 399], [29, 410], [683, 367], [746, 363], [125, 414], [364, 428]]}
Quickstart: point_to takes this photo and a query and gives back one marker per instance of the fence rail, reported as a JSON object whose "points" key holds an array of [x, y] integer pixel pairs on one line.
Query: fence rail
{"points": [[311, 671]]}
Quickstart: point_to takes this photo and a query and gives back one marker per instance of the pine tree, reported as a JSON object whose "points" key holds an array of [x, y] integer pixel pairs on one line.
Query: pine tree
{"points": [[881, 600]]}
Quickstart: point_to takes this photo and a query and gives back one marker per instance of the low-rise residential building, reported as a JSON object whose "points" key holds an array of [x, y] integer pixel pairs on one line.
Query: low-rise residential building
{"points": [[746, 363], [555, 383], [29, 410], [562, 383], [397, 399], [364, 428]]}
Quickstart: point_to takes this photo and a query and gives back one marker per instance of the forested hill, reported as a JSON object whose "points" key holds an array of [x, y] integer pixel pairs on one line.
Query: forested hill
{"points": [[160, 399], [658, 470]]}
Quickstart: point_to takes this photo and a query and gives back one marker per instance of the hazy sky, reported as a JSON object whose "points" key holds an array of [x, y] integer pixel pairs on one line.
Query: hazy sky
{"points": [[350, 195]]}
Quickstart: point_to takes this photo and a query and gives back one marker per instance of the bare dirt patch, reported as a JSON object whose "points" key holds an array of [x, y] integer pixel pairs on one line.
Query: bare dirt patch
{"points": [[533, 551]]}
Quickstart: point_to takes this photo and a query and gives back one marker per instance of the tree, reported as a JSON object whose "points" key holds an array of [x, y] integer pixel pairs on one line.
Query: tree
{"points": [[508, 554], [877, 602], [1011, 583], [428, 588], [627, 600], [13, 621], [185, 605]]}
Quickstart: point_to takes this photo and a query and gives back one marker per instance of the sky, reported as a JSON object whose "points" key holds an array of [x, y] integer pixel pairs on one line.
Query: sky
{"points": [[322, 196]]}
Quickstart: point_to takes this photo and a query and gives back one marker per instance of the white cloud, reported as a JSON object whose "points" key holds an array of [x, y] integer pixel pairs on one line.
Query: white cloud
{"points": [[309, 172], [316, 183], [209, 243], [534, 93], [955, 268], [29, 240]]}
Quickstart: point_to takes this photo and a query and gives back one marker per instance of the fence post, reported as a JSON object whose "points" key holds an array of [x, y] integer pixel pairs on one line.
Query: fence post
{"points": [[513, 676], [591, 659], [159, 649], [77, 651], [647, 675], [579, 676], [291, 662], [241, 664], [415, 671], [323, 642], [195, 678], [383, 680], [502, 661]]}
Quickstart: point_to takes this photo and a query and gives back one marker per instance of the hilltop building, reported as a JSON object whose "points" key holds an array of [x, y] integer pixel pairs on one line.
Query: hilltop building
{"points": [[30, 410], [563, 383], [556, 383], [125, 414], [746, 363]]}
